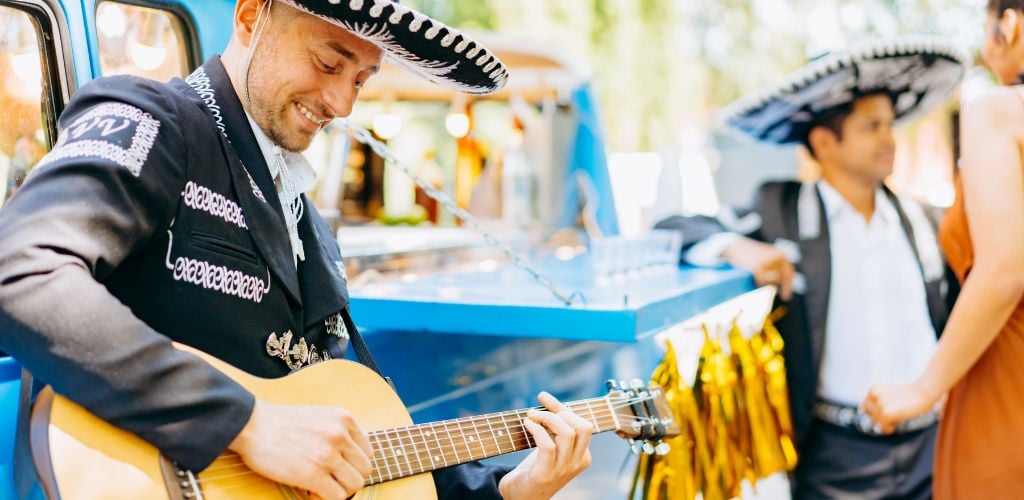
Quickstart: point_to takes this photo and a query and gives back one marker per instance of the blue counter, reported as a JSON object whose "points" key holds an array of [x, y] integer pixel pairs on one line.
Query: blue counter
{"points": [[461, 344]]}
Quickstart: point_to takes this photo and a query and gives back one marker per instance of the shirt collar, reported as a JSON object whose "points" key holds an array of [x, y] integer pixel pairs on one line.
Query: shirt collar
{"points": [[835, 204], [302, 171]]}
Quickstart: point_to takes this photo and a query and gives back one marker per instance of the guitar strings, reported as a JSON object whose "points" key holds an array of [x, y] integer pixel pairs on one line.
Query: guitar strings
{"points": [[606, 412]]}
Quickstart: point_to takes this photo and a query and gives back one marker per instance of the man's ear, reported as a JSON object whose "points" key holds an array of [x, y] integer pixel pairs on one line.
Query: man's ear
{"points": [[822, 140], [246, 14]]}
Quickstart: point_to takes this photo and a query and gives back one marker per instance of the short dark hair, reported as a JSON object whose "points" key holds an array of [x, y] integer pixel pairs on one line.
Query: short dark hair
{"points": [[833, 118]]}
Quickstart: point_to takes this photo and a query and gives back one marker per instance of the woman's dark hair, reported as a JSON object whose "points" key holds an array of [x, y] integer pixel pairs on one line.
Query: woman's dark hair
{"points": [[997, 7]]}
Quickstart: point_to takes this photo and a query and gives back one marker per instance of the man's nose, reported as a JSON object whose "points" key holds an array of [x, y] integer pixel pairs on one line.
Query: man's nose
{"points": [[339, 98]]}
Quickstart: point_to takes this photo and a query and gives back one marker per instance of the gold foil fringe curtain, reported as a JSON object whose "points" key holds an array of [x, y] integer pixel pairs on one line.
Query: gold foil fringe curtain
{"points": [[735, 420]]}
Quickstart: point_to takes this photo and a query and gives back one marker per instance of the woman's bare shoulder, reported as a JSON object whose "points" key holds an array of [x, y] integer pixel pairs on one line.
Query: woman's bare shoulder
{"points": [[998, 106]]}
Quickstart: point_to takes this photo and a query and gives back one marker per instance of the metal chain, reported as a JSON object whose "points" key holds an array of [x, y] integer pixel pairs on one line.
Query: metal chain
{"points": [[364, 136]]}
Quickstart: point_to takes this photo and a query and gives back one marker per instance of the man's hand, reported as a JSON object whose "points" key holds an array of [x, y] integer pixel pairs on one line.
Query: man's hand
{"points": [[768, 264], [558, 457], [317, 449]]}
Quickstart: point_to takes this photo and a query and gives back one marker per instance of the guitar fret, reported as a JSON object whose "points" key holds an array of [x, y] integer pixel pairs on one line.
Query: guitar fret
{"points": [[509, 432], [432, 452], [416, 450], [522, 415], [400, 452], [494, 435], [451, 443]]}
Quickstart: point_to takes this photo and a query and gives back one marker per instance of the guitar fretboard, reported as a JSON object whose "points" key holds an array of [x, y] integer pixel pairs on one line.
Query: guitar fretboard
{"points": [[407, 451]]}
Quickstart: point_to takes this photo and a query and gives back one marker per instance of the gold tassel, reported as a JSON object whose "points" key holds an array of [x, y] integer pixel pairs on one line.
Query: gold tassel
{"points": [[735, 422]]}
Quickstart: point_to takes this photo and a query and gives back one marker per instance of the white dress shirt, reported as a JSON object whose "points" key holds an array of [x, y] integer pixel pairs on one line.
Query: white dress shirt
{"points": [[878, 328], [302, 173]]}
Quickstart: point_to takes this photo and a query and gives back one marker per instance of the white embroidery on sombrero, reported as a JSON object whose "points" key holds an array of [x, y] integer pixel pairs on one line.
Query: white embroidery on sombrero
{"points": [[396, 16], [354, 4], [378, 7], [417, 21], [103, 118], [436, 71], [448, 40], [925, 68], [433, 31]]}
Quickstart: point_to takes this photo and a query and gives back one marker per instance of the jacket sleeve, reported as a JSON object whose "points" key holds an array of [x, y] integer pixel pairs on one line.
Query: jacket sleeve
{"points": [[470, 480], [703, 231], [110, 184]]}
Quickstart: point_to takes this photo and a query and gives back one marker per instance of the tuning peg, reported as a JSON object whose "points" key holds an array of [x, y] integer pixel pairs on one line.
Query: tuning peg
{"points": [[662, 449], [636, 448], [612, 384], [648, 449], [623, 385], [637, 384]]}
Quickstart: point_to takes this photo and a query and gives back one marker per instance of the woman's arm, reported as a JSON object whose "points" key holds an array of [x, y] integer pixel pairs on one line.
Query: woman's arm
{"points": [[993, 190]]}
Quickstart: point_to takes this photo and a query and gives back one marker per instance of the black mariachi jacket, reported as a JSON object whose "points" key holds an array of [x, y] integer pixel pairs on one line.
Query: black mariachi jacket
{"points": [[792, 216], [154, 219]]}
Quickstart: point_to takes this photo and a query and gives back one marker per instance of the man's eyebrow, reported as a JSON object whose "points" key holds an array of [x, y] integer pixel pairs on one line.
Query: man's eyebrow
{"points": [[348, 54]]}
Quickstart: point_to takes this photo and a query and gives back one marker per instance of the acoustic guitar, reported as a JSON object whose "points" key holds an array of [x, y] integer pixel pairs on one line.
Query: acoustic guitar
{"points": [[79, 456]]}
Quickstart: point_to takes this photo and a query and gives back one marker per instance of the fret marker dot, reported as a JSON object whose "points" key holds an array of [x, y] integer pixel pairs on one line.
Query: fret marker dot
{"points": [[398, 452], [427, 434], [437, 459], [501, 433], [472, 438]]}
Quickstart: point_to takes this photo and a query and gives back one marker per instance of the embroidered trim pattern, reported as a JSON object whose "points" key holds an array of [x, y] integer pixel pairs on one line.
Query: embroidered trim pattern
{"points": [[335, 325], [381, 35], [200, 82], [295, 355], [102, 115], [220, 279], [808, 212], [206, 200]]}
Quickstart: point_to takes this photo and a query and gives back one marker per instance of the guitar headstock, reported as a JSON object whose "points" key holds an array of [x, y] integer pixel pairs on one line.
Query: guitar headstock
{"points": [[642, 415]]}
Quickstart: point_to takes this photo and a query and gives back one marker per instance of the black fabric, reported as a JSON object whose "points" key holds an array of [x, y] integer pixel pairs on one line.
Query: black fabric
{"points": [[839, 463], [803, 327], [470, 480], [423, 45], [916, 75], [124, 239]]}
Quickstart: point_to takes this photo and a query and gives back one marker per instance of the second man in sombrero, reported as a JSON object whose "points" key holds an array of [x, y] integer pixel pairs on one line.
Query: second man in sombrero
{"points": [[858, 267]]}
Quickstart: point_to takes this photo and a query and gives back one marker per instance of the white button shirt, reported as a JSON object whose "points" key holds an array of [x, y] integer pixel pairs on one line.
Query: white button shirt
{"points": [[303, 174], [878, 328]]}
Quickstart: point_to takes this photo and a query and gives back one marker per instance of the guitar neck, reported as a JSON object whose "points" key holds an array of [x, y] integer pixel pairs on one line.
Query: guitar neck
{"points": [[407, 451]]}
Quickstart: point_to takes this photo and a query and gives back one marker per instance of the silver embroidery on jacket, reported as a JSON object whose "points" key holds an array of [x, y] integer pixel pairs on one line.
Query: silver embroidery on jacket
{"points": [[200, 82], [295, 355], [107, 119], [206, 200]]}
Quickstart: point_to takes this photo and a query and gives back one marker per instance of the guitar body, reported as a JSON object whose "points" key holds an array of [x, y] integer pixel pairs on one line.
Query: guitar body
{"points": [[80, 456]]}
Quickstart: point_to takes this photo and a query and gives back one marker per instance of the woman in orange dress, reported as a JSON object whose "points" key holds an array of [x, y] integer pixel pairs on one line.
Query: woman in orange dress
{"points": [[979, 361]]}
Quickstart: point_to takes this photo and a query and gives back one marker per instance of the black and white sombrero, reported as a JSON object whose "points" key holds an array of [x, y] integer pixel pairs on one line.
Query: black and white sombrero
{"points": [[918, 72], [416, 42]]}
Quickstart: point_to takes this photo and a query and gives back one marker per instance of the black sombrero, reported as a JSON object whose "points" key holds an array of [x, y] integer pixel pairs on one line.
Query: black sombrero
{"points": [[416, 42], [918, 72]]}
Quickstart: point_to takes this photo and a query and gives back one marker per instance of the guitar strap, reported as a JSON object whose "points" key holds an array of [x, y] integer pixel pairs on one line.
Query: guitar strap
{"points": [[362, 352]]}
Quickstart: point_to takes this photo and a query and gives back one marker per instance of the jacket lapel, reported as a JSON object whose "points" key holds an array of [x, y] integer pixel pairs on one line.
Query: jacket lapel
{"points": [[323, 287], [933, 290], [816, 266], [251, 176]]}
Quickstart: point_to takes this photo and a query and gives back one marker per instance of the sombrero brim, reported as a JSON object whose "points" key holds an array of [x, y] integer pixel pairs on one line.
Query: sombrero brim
{"points": [[415, 41], [918, 72]]}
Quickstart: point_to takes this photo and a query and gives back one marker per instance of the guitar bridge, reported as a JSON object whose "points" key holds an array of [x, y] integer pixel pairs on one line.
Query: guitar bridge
{"points": [[180, 482]]}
